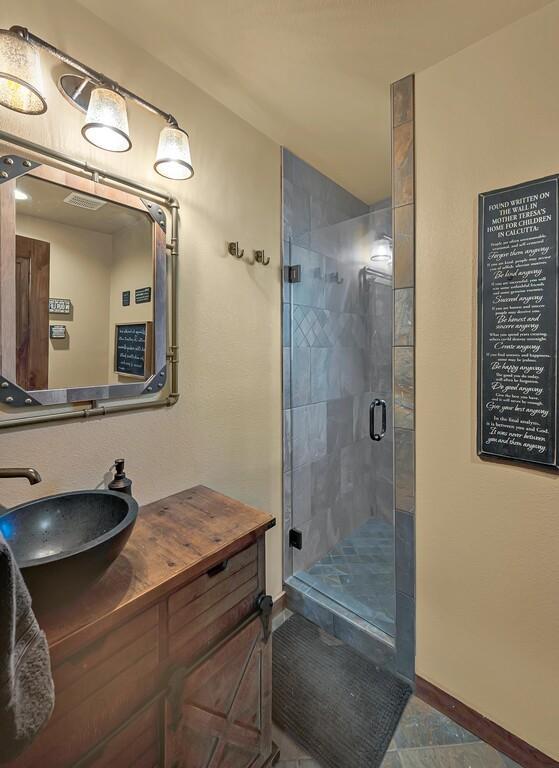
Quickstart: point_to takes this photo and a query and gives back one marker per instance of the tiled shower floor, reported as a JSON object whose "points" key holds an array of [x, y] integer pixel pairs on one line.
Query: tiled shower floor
{"points": [[359, 574]]}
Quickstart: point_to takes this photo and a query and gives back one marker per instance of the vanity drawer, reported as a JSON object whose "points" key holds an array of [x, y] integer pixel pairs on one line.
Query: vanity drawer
{"points": [[216, 602], [96, 689]]}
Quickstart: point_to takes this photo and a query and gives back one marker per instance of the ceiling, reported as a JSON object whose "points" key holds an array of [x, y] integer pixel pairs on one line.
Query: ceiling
{"points": [[313, 75], [46, 200]]}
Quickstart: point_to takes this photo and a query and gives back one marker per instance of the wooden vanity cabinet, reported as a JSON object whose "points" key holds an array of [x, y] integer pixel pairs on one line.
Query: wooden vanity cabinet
{"points": [[167, 660]]}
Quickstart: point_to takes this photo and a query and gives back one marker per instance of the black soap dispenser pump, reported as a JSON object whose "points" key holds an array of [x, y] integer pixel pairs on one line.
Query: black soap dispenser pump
{"points": [[120, 482]]}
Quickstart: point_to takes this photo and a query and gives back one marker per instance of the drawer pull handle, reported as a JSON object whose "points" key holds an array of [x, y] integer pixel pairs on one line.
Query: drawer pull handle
{"points": [[219, 568]]}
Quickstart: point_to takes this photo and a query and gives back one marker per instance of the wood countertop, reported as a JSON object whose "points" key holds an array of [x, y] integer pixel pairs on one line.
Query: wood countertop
{"points": [[174, 540]]}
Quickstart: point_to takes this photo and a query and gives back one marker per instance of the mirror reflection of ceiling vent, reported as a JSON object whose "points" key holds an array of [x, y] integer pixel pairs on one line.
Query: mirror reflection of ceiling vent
{"points": [[84, 201]]}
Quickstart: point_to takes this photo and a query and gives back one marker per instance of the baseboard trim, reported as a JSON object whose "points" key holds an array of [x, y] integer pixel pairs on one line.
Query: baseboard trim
{"points": [[496, 736], [280, 602]]}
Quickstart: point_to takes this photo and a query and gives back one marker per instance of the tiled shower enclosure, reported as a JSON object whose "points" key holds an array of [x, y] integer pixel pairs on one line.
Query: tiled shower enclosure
{"points": [[337, 353]]}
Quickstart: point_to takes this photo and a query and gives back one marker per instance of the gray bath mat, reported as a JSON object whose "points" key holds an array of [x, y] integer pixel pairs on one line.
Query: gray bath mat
{"points": [[337, 705]]}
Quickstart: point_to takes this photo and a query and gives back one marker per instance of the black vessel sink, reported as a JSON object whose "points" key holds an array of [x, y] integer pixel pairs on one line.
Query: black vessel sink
{"points": [[65, 542]]}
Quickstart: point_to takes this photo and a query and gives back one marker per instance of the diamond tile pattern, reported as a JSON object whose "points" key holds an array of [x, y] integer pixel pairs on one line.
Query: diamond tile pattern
{"points": [[315, 327], [358, 573]]}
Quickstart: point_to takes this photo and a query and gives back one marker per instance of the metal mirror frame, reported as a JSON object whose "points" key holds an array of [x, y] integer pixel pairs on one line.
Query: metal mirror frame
{"points": [[15, 165]]}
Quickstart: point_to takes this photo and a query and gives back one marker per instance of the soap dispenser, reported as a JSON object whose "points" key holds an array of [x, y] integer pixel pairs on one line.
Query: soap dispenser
{"points": [[120, 482]]}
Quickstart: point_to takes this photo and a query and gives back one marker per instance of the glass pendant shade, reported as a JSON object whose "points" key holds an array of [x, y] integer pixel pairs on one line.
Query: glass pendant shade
{"points": [[173, 154], [106, 122], [21, 82], [382, 250]]}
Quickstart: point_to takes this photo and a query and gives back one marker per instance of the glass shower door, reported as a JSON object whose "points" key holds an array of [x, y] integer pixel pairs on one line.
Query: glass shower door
{"points": [[339, 365]]}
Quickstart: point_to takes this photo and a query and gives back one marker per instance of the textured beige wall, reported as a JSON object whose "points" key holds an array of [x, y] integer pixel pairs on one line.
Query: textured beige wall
{"points": [[226, 429], [80, 270], [487, 533]]}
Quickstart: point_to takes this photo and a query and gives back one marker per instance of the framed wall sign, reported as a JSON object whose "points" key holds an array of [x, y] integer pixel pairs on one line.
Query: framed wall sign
{"points": [[518, 292], [143, 295], [126, 298], [133, 349], [60, 306], [57, 331]]}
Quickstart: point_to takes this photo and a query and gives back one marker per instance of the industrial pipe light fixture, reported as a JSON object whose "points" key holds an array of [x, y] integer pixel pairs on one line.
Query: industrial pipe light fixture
{"points": [[103, 101]]}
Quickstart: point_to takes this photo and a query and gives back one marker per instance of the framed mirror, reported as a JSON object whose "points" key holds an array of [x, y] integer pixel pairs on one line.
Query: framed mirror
{"points": [[83, 289]]}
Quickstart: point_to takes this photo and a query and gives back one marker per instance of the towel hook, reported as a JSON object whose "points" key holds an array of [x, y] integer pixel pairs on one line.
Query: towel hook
{"points": [[235, 251], [261, 258], [334, 277]]}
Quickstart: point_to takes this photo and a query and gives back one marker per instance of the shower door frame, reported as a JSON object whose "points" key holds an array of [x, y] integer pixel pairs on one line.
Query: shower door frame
{"points": [[402, 95]]}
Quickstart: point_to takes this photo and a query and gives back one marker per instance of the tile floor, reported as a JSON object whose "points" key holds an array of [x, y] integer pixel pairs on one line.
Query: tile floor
{"points": [[359, 573], [424, 738]]}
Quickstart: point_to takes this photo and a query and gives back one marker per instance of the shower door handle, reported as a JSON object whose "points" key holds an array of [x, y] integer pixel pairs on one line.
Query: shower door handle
{"points": [[376, 435]]}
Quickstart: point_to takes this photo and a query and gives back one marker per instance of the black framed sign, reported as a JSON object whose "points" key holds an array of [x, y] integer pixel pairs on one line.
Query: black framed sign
{"points": [[518, 293], [133, 349], [126, 298], [143, 295]]}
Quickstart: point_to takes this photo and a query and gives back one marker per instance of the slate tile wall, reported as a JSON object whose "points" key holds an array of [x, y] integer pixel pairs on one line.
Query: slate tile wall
{"points": [[403, 187]]}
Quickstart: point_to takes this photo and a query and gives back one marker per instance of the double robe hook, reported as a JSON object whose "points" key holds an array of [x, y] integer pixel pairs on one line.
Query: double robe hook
{"points": [[238, 253]]}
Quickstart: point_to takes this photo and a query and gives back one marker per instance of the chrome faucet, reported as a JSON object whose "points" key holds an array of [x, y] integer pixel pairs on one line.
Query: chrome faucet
{"points": [[31, 474]]}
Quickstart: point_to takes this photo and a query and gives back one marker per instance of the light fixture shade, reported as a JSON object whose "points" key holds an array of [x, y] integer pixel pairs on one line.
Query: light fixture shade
{"points": [[21, 82], [106, 122], [382, 249], [173, 154]]}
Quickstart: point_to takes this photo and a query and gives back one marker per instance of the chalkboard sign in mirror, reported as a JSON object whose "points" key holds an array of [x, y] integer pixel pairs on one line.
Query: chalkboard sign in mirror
{"points": [[133, 350], [69, 236], [518, 300]]}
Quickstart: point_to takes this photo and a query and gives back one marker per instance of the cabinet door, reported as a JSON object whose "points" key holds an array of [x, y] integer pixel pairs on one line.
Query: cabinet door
{"points": [[221, 716]]}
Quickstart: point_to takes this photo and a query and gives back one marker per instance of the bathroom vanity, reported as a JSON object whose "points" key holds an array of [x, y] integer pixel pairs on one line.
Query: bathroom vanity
{"points": [[166, 660]]}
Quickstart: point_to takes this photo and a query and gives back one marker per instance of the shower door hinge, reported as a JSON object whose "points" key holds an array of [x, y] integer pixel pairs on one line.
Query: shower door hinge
{"points": [[293, 274], [296, 538]]}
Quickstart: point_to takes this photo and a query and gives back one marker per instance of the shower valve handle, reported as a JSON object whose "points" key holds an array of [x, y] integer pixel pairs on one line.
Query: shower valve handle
{"points": [[376, 435]]}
